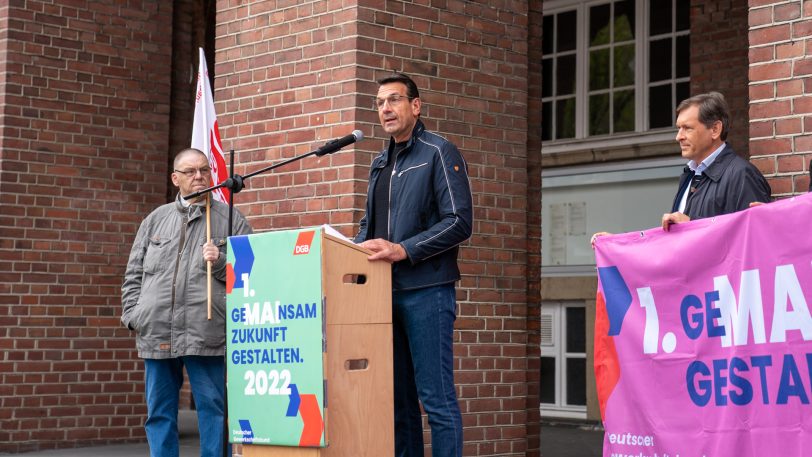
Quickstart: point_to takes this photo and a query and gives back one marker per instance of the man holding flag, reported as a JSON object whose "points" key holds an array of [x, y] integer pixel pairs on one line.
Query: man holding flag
{"points": [[168, 283]]}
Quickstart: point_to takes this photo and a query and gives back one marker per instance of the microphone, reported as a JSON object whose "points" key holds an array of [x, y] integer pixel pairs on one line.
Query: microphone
{"points": [[334, 145]]}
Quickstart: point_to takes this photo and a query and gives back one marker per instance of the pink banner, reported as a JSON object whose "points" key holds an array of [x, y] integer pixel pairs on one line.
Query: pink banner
{"points": [[702, 336]]}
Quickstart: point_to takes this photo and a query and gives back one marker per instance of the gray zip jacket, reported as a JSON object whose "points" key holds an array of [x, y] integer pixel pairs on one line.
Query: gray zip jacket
{"points": [[164, 290]]}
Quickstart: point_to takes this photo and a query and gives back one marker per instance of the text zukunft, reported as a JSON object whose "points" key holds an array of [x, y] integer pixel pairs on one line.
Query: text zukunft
{"points": [[254, 317]]}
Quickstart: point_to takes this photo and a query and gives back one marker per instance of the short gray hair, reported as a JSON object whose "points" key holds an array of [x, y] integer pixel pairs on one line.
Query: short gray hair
{"points": [[186, 152]]}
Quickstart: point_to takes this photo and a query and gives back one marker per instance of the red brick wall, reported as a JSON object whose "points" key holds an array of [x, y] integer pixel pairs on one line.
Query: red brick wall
{"points": [[780, 84], [285, 83], [291, 77], [719, 60], [94, 99], [193, 23], [84, 125]]}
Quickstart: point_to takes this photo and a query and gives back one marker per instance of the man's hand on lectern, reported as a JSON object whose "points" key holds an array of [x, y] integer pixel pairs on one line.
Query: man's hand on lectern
{"points": [[384, 250]]}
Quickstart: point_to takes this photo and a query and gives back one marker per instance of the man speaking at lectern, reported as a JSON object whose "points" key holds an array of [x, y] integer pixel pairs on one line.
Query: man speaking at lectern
{"points": [[418, 211], [164, 296]]}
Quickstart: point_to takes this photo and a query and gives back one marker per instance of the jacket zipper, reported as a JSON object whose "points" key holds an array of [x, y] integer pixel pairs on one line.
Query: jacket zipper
{"points": [[412, 168], [181, 243]]}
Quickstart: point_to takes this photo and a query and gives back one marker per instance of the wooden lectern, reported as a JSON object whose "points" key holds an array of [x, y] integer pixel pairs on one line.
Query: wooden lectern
{"points": [[358, 361]]}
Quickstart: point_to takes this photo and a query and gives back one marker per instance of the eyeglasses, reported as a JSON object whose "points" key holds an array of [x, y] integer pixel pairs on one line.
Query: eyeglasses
{"points": [[192, 172], [393, 100]]}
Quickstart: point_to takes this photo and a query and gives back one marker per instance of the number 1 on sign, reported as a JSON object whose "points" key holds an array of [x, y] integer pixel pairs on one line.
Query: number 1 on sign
{"points": [[651, 333]]}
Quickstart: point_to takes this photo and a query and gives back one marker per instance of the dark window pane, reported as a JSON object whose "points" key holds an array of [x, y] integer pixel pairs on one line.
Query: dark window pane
{"points": [[683, 56], [548, 34], [576, 329], [547, 381], [547, 121], [565, 75], [599, 114], [565, 118], [576, 382], [567, 30], [660, 16], [660, 107], [624, 20], [624, 66], [599, 69], [624, 111], [683, 92], [683, 15], [659, 63], [599, 24], [547, 78]]}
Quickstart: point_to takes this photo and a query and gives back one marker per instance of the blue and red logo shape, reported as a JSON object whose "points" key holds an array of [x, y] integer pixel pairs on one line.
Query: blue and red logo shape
{"points": [[613, 302]]}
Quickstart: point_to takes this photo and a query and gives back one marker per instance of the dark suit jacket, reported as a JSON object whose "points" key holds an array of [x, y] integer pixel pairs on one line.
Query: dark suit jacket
{"points": [[728, 185]]}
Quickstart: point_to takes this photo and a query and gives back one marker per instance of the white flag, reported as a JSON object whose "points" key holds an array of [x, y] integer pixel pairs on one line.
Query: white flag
{"points": [[205, 134]]}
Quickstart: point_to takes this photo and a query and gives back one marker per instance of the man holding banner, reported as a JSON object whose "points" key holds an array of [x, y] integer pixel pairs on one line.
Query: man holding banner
{"points": [[419, 209], [713, 358], [716, 180], [164, 298]]}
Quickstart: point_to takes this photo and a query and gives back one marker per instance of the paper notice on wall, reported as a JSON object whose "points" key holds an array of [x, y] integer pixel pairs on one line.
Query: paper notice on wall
{"points": [[577, 219], [559, 220]]}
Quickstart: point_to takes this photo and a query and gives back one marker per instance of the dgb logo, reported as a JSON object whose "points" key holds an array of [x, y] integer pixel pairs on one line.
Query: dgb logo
{"points": [[303, 243]]}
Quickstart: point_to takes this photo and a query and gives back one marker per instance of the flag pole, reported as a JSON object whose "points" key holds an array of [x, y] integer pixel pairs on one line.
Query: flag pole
{"points": [[208, 262], [206, 137]]}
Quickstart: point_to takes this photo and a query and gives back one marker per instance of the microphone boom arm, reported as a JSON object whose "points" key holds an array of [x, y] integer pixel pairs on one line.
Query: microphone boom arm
{"points": [[236, 183]]}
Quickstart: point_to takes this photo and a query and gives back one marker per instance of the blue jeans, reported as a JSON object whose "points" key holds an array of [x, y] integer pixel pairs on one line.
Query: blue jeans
{"points": [[163, 379], [423, 329]]}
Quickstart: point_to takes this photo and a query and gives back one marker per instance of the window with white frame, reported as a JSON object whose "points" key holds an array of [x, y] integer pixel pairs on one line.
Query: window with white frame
{"points": [[612, 67], [563, 360], [613, 197]]}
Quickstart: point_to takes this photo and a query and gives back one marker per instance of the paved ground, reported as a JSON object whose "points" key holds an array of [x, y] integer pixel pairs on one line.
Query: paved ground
{"points": [[189, 444], [557, 440], [571, 440]]}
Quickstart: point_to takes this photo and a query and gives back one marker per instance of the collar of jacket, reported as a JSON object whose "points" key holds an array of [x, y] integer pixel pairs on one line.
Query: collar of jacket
{"points": [[194, 210], [717, 168], [418, 130]]}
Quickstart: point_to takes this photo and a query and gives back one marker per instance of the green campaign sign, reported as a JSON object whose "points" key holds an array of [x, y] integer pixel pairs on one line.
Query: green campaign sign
{"points": [[275, 339]]}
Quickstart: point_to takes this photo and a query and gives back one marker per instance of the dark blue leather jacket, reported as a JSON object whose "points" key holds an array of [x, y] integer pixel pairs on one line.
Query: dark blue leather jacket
{"points": [[430, 209]]}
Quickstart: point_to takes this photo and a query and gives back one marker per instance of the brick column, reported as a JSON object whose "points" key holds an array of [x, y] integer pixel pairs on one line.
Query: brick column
{"points": [[719, 60], [84, 92], [290, 78], [286, 81], [780, 84]]}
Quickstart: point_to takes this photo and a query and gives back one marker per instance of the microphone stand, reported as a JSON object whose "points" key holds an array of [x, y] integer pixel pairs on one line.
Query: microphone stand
{"points": [[235, 183]]}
